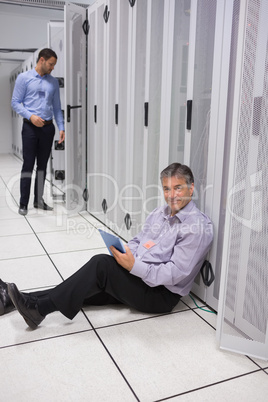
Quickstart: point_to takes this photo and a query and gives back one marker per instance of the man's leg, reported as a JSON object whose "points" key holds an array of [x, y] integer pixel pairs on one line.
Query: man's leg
{"points": [[45, 141], [29, 147], [99, 277], [102, 274]]}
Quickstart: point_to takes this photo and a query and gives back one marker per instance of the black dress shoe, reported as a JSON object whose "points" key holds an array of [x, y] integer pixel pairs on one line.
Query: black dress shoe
{"points": [[25, 306], [42, 205], [23, 210], [6, 304]]}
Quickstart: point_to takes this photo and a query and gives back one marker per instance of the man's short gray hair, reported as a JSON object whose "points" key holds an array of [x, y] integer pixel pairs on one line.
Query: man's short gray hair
{"points": [[180, 171]]}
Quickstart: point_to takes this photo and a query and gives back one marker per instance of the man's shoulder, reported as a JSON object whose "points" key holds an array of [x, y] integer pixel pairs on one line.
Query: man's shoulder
{"points": [[192, 212], [51, 78], [25, 75]]}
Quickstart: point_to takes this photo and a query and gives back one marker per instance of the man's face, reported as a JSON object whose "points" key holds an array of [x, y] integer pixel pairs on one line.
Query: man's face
{"points": [[176, 192], [48, 65]]}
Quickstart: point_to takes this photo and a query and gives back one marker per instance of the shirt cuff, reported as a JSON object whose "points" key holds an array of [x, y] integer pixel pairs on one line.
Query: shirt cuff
{"points": [[27, 115], [139, 269]]}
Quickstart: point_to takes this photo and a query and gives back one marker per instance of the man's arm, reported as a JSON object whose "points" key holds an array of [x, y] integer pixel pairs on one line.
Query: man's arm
{"points": [[18, 97], [57, 111], [182, 266]]}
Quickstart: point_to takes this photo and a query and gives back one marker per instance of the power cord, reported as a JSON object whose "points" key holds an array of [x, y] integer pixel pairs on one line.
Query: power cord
{"points": [[201, 308]]}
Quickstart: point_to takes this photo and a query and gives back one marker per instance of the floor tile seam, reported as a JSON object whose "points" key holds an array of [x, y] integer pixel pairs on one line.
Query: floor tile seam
{"points": [[45, 339], [184, 302], [58, 229], [113, 360], [253, 361], [24, 256], [208, 385], [36, 255], [77, 251], [21, 234], [11, 219], [139, 319], [37, 234], [44, 232], [7, 189], [82, 216], [195, 310], [103, 224], [46, 252], [13, 234]]}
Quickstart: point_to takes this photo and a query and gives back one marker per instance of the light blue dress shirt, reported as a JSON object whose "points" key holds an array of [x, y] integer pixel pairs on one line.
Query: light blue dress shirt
{"points": [[37, 95], [170, 250]]}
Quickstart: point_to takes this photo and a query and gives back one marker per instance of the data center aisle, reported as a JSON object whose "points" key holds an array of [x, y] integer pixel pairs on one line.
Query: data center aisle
{"points": [[107, 353]]}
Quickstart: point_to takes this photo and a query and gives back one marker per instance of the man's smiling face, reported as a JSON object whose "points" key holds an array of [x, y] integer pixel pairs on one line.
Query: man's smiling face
{"points": [[177, 193]]}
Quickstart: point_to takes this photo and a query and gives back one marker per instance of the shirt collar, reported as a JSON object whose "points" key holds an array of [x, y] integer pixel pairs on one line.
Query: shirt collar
{"points": [[182, 214], [35, 73]]}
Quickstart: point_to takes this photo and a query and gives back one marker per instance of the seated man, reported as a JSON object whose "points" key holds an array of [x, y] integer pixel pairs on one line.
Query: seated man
{"points": [[158, 268]]}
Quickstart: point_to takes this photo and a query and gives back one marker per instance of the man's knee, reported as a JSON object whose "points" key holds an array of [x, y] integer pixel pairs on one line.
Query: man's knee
{"points": [[100, 259], [104, 266]]}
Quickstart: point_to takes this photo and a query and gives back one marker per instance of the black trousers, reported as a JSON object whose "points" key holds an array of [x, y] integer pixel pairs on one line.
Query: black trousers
{"points": [[102, 281], [36, 145]]}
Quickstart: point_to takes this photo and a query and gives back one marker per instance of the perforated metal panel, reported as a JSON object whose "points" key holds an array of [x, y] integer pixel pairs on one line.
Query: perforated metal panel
{"points": [[75, 93], [246, 294], [204, 50]]}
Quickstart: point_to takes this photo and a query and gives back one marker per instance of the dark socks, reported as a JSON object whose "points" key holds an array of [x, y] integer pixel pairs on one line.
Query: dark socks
{"points": [[45, 306]]}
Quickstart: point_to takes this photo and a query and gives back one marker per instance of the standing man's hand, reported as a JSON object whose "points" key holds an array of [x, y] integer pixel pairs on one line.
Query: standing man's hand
{"points": [[126, 260], [36, 120], [62, 136]]}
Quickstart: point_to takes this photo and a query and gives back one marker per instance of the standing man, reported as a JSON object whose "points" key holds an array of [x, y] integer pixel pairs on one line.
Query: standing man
{"points": [[36, 98], [157, 269]]}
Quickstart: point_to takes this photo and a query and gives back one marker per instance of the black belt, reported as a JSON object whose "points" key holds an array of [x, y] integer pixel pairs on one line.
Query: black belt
{"points": [[46, 122]]}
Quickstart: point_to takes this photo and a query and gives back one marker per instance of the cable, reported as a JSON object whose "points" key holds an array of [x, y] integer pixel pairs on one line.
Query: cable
{"points": [[201, 308]]}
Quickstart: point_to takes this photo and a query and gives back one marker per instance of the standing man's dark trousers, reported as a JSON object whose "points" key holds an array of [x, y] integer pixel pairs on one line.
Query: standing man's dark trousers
{"points": [[102, 281], [36, 145]]}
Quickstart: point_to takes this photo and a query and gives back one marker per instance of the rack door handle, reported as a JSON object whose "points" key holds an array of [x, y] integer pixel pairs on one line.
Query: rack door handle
{"points": [[189, 115], [69, 107], [146, 113]]}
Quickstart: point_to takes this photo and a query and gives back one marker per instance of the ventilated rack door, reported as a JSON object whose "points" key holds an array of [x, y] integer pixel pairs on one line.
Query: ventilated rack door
{"points": [[243, 313], [75, 105], [157, 32], [181, 44], [97, 120], [57, 157], [119, 36]]}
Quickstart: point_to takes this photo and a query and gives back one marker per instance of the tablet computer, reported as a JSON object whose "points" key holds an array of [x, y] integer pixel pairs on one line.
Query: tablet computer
{"points": [[112, 240]]}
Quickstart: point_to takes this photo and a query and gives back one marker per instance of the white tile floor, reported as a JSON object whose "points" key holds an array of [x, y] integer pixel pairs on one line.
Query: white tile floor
{"points": [[106, 353]]}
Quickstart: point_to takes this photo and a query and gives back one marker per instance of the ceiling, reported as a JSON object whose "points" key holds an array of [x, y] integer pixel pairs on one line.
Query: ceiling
{"points": [[23, 26]]}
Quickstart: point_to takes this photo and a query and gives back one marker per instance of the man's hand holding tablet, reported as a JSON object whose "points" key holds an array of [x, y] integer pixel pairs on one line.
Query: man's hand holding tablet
{"points": [[121, 253]]}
